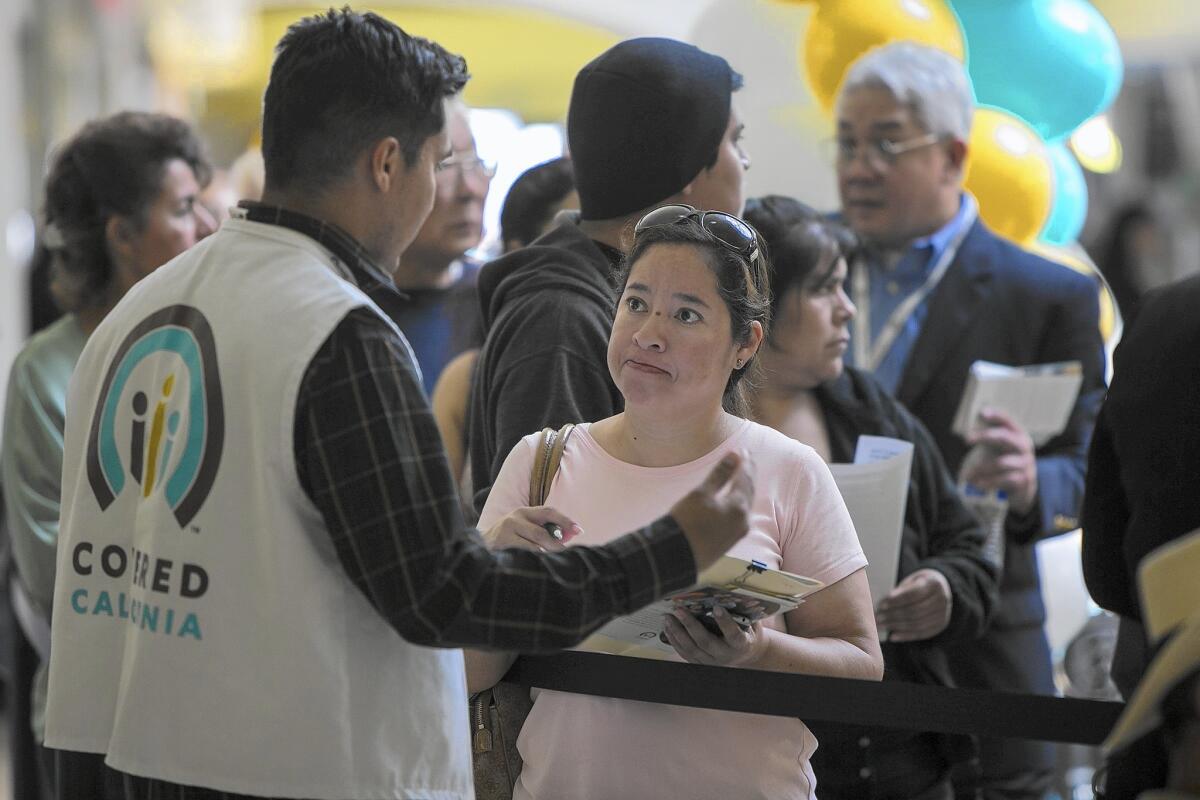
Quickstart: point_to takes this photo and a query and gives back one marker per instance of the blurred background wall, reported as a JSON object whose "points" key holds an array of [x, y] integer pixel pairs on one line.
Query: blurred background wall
{"points": [[69, 60]]}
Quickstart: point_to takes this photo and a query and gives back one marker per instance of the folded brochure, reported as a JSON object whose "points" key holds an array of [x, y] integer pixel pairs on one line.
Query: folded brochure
{"points": [[875, 488], [748, 590], [1039, 397]]}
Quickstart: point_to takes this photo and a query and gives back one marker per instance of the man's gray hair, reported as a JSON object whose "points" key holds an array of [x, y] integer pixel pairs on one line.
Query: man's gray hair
{"points": [[933, 84]]}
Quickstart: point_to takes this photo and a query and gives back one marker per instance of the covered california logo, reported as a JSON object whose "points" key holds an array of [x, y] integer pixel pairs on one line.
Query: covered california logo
{"points": [[159, 424]]}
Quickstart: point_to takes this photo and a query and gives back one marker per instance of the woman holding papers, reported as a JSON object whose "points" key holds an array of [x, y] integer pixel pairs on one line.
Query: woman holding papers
{"points": [[946, 588], [691, 315]]}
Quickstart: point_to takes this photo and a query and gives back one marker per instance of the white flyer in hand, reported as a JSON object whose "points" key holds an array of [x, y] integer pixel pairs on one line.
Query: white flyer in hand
{"points": [[875, 488], [1039, 397]]}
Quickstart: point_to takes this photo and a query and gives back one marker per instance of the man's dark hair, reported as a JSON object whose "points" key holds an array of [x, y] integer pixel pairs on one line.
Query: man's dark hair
{"points": [[342, 81], [532, 198], [112, 166]]}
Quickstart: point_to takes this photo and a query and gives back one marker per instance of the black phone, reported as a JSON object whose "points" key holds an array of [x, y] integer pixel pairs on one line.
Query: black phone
{"points": [[709, 622]]}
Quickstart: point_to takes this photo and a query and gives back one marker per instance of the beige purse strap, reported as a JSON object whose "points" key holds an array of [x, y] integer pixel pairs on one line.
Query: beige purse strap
{"points": [[546, 461]]}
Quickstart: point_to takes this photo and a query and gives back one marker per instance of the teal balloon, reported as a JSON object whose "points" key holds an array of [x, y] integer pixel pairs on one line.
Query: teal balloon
{"points": [[1070, 199], [1053, 63]]}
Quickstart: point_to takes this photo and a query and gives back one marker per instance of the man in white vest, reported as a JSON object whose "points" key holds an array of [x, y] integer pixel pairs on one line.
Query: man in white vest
{"points": [[263, 569]]}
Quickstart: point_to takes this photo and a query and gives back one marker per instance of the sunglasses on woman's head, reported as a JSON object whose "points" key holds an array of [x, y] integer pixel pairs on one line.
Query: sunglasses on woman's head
{"points": [[727, 229]]}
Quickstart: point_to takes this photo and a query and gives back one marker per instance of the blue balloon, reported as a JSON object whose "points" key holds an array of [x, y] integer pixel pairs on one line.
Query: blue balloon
{"points": [[1053, 63], [1070, 205]]}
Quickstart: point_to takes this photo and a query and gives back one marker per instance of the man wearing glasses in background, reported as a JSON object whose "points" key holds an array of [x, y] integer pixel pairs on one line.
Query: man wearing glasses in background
{"points": [[441, 315], [936, 291]]}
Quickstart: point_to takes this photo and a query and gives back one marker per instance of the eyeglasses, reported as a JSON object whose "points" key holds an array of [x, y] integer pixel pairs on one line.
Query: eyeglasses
{"points": [[473, 166], [880, 153], [733, 233]]}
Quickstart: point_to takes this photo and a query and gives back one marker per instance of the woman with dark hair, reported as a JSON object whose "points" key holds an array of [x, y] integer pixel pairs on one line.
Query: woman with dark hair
{"points": [[946, 588], [121, 200], [693, 310]]}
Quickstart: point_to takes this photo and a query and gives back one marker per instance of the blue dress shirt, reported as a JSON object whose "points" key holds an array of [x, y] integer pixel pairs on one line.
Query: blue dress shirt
{"points": [[890, 287]]}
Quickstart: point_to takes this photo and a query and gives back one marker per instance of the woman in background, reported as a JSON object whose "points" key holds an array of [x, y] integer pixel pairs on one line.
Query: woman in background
{"points": [[121, 200], [947, 587]]}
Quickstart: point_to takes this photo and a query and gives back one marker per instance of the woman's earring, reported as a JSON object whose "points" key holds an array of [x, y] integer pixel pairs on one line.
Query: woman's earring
{"points": [[737, 364]]}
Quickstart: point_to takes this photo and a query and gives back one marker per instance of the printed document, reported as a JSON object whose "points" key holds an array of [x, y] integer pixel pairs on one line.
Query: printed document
{"points": [[747, 590], [875, 488]]}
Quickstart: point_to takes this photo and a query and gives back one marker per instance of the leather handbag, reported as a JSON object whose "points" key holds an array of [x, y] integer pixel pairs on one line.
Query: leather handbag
{"points": [[497, 714]]}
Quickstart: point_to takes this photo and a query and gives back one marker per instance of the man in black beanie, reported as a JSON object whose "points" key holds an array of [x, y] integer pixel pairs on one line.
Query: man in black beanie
{"points": [[650, 123]]}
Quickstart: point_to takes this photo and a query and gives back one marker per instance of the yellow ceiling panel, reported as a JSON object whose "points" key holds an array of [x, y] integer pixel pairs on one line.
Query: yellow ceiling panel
{"points": [[520, 59]]}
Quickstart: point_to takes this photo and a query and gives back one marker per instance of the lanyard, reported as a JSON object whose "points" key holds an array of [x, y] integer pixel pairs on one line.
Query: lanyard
{"points": [[869, 354]]}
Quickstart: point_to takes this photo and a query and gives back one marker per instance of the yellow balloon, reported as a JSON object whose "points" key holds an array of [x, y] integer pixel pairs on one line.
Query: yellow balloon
{"points": [[842, 30], [1077, 259], [1096, 145], [1009, 172]]}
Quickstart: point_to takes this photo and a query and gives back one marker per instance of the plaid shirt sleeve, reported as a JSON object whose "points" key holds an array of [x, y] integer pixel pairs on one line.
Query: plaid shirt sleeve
{"points": [[370, 458]]}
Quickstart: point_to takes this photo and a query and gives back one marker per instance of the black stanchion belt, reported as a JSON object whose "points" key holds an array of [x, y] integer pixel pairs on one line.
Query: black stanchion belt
{"points": [[890, 704]]}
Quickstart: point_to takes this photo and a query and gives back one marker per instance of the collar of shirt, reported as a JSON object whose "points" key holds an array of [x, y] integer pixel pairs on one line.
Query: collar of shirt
{"points": [[939, 240], [464, 274], [367, 275]]}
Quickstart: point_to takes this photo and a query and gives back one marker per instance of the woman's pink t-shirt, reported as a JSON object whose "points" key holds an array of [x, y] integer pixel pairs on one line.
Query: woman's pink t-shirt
{"points": [[582, 747]]}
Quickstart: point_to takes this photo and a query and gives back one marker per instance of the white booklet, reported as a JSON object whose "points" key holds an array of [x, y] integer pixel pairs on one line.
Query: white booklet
{"points": [[748, 590], [875, 488], [1038, 397]]}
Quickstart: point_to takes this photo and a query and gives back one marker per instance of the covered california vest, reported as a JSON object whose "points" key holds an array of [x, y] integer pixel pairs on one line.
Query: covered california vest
{"points": [[204, 630]]}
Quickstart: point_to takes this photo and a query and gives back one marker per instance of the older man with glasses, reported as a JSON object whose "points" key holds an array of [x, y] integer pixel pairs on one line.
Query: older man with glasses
{"points": [[936, 291], [441, 315]]}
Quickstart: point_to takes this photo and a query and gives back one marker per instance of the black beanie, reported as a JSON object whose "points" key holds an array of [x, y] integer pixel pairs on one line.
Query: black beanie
{"points": [[646, 117]]}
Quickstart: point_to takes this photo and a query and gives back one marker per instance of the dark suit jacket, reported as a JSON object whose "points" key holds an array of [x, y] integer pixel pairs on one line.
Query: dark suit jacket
{"points": [[1001, 303], [1143, 483]]}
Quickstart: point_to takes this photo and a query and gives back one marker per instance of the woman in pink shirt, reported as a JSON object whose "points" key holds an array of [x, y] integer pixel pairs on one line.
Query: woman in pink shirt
{"points": [[692, 313]]}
